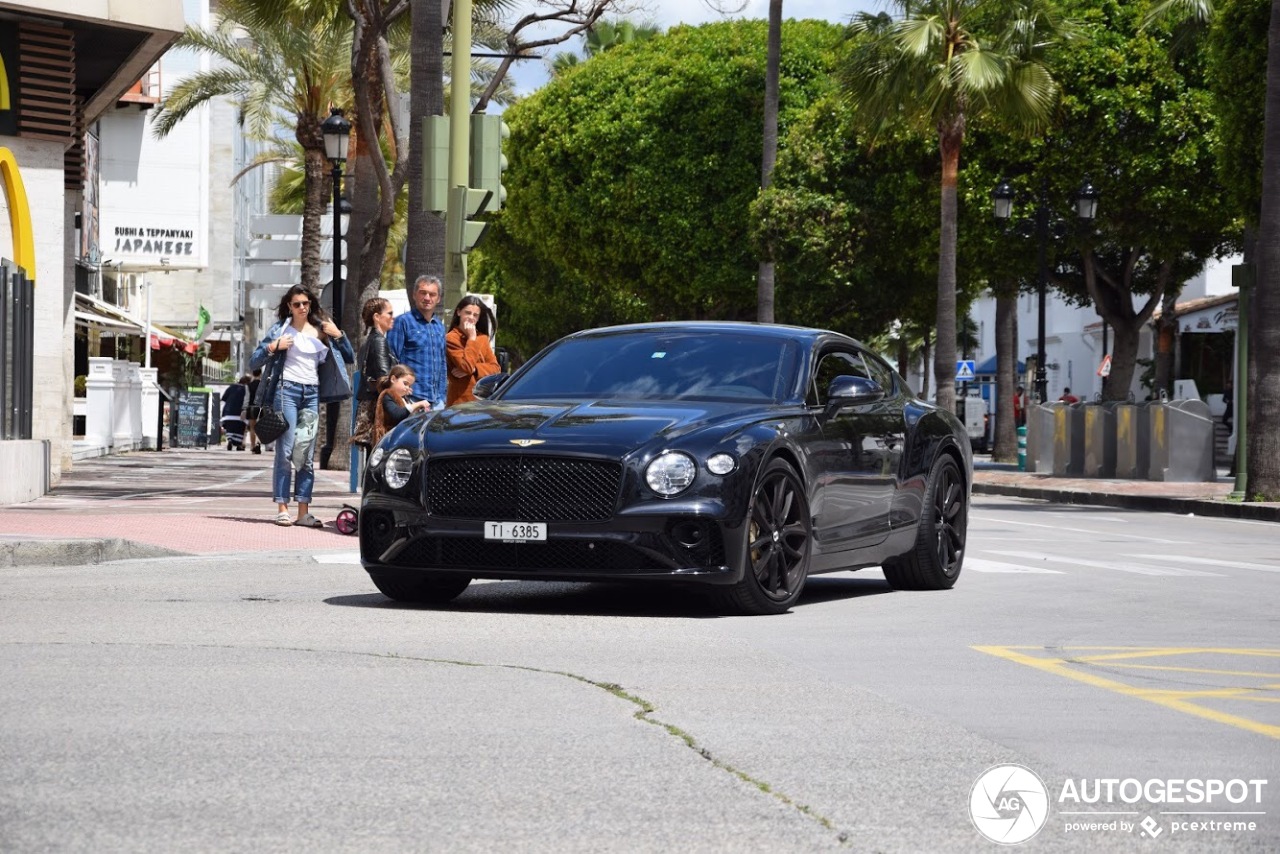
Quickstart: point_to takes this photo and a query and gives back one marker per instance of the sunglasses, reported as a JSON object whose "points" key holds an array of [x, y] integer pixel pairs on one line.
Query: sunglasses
{"points": [[300, 303]]}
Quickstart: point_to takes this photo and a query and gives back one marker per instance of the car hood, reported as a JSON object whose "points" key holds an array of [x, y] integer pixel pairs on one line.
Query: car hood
{"points": [[581, 427]]}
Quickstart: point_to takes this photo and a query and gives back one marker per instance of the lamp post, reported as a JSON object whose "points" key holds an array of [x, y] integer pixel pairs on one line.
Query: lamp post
{"points": [[337, 136], [1085, 202]]}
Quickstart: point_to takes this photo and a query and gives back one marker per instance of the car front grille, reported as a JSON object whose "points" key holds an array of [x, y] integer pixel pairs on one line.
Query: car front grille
{"points": [[527, 488]]}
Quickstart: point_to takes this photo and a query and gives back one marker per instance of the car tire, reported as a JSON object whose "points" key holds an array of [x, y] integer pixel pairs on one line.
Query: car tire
{"points": [[934, 563], [777, 543], [424, 588]]}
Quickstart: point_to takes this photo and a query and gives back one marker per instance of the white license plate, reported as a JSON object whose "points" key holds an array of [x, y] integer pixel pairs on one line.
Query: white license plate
{"points": [[519, 532]]}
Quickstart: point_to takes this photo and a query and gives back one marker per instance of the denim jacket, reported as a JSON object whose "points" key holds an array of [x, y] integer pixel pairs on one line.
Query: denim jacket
{"points": [[335, 383]]}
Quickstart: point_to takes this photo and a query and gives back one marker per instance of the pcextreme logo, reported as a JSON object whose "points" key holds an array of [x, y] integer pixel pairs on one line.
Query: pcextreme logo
{"points": [[24, 246]]}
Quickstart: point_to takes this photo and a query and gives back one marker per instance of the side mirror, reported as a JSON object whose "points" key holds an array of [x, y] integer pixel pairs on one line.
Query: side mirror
{"points": [[846, 391], [486, 386]]}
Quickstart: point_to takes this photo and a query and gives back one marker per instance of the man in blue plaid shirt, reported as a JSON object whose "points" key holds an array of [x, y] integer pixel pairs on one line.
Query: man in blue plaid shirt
{"points": [[417, 340]]}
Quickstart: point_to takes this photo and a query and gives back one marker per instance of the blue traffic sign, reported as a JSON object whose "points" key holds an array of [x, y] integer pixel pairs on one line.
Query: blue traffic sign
{"points": [[964, 371]]}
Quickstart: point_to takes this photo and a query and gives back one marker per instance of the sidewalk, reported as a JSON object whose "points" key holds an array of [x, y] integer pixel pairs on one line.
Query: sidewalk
{"points": [[1200, 499], [173, 502], [185, 501]]}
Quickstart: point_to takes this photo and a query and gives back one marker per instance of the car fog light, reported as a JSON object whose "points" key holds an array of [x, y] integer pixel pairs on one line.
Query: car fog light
{"points": [[670, 473], [399, 467], [376, 456], [720, 464]]}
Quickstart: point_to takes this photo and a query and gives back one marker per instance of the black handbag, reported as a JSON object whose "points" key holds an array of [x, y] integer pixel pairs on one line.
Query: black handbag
{"points": [[271, 425]]}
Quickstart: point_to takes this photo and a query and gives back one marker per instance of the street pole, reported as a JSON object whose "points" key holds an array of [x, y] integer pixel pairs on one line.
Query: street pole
{"points": [[337, 137], [337, 243], [1042, 286], [455, 263], [1243, 276]]}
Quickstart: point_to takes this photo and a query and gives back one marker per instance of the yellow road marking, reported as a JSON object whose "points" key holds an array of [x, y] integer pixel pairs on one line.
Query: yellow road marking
{"points": [[1175, 700], [1190, 669]]}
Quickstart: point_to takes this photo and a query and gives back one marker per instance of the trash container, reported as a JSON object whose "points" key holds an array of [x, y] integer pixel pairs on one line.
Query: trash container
{"points": [[1099, 440], [1068, 440], [1133, 440], [1040, 432], [1181, 441]]}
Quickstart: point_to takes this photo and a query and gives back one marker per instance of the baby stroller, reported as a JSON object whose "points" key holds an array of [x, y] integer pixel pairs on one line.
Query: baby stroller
{"points": [[348, 521]]}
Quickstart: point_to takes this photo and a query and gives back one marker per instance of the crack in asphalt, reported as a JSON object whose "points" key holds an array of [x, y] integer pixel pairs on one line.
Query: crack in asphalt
{"points": [[645, 712]]}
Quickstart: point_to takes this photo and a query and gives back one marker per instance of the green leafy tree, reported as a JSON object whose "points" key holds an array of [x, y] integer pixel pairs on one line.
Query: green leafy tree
{"points": [[940, 65], [850, 228], [282, 66], [1143, 127], [635, 175]]}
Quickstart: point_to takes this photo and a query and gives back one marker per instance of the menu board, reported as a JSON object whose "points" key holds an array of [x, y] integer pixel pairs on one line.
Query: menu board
{"points": [[189, 420]]}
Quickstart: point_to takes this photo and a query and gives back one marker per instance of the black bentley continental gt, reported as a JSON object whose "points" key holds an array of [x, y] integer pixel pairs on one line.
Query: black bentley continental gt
{"points": [[737, 457]]}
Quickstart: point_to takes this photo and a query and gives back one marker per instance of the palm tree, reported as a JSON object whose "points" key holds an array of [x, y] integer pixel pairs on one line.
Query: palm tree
{"points": [[941, 64], [602, 36], [773, 60], [287, 67]]}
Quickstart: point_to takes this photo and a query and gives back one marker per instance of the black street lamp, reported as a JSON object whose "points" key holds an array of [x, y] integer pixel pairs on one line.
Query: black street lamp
{"points": [[337, 136], [1085, 202]]}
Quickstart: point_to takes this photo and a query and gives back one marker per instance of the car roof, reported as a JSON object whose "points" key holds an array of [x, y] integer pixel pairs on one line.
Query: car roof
{"points": [[805, 334]]}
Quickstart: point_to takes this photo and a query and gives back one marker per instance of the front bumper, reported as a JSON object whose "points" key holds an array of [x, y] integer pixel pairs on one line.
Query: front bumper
{"points": [[678, 542]]}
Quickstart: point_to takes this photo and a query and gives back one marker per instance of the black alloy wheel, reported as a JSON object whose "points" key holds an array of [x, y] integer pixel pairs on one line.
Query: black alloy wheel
{"points": [[779, 533], [938, 555]]}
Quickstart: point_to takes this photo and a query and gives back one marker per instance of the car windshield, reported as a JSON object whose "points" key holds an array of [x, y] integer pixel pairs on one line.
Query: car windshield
{"points": [[649, 365]]}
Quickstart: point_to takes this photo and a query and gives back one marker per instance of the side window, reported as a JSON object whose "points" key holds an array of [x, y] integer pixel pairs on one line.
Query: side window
{"points": [[880, 372], [833, 365]]}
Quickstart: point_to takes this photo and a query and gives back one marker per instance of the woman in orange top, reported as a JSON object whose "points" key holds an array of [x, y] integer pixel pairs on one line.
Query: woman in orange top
{"points": [[467, 350]]}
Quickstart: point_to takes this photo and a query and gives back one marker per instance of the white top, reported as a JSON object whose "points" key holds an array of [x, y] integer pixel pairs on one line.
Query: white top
{"points": [[301, 360]]}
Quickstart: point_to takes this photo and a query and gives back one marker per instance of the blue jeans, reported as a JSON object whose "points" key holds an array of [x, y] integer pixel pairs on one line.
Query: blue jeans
{"points": [[291, 398]]}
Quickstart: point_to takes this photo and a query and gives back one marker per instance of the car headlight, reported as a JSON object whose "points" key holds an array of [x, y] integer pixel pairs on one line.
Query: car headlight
{"points": [[720, 463], [376, 456], [670, 473], [399, 467]]}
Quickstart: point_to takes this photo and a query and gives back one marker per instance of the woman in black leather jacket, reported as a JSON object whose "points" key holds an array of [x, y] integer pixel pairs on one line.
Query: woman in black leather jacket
{"points": [[374, 363]]}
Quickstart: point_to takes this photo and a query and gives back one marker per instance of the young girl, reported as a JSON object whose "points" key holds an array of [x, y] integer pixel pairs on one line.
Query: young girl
{"points": [[395, 401]]}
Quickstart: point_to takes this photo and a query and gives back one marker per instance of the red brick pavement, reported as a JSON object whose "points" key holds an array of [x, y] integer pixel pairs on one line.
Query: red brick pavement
{"points": [[186, 500]]}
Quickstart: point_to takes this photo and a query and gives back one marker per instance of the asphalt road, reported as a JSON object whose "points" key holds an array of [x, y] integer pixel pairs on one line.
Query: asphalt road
{"points": [[276, 702]]}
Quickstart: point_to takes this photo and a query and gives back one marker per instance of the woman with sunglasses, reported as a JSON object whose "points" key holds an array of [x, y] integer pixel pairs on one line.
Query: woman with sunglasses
{"points": [[306, 355]]}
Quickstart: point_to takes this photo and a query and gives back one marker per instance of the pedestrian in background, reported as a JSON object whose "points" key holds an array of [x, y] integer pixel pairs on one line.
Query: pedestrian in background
{"points": [[1020, 407], [416, 339], [1068, 397], [305, 357], [234, 406], [374, 363], [468, 349], [251, 411], [396, 400]]}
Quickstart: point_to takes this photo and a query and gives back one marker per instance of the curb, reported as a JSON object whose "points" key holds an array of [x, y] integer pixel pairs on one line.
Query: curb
{"points": [[70, 552], [1149, 503]]}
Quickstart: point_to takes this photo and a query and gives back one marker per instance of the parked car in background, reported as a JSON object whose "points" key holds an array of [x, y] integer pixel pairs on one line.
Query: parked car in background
{"points": [[734, 457]]}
